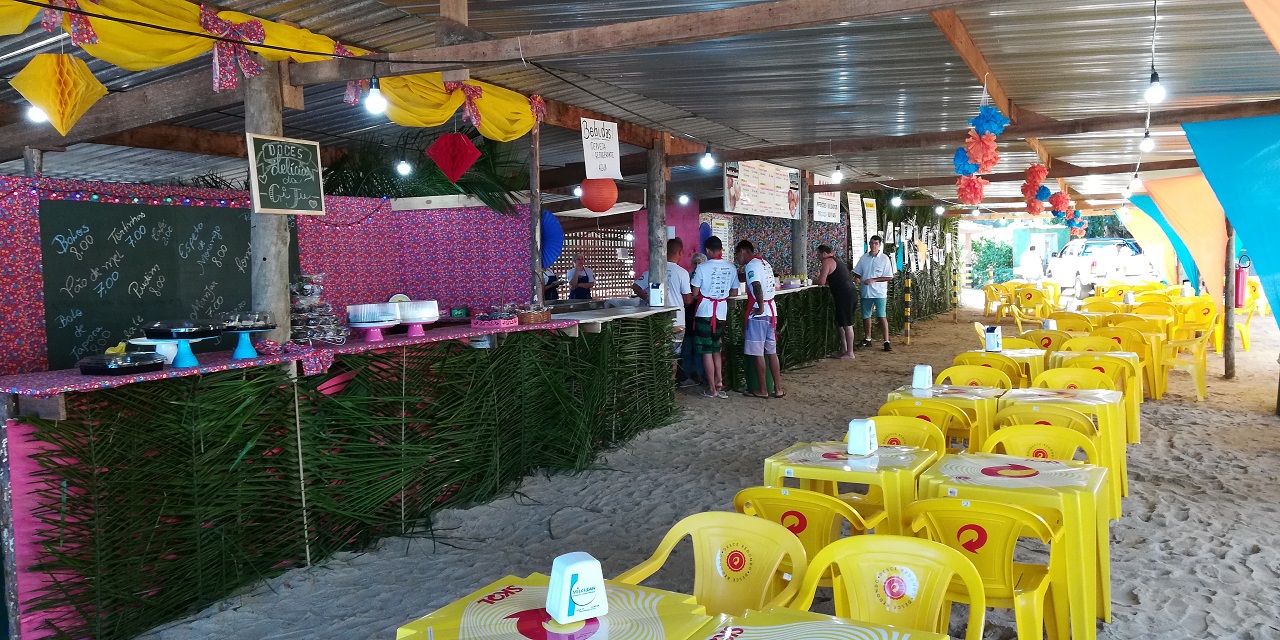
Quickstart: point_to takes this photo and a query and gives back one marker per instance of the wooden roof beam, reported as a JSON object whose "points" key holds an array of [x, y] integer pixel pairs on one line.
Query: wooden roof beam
{"points": [[168, 137], [1060, 170]]}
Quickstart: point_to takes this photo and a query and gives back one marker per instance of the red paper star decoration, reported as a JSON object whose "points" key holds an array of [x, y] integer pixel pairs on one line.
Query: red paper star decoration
{"points": [[454, 154]]}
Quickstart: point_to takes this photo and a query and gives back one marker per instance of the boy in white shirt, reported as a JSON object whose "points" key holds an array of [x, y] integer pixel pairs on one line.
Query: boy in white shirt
{"points": [[677, 292], [713, 281], [762, 322]]}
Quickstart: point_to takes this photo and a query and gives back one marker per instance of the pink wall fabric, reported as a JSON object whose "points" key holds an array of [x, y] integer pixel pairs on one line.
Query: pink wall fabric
{"points": [[683, 217], [1192, 209]]}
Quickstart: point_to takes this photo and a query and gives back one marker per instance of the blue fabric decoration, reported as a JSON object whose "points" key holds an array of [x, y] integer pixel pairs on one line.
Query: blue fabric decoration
{"points": [[1188, 263], [552, 239], [963, 166], [989, 120], [1238, 158], [704, 232], [1043, 194]]}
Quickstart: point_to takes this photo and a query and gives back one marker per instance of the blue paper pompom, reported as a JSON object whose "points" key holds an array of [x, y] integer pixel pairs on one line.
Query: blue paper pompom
{"points": [[963, 166], [989, 120], [1043, 194], [1059, 214]]}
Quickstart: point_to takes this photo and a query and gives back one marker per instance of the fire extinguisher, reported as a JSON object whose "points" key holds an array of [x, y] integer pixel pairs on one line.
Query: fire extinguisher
{"points": [[1242, 278]]}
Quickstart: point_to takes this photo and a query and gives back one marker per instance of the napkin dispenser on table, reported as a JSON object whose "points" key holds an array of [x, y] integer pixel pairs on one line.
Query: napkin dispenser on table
{"points": [[1129, 298], [994, 339], [922, 377], [1049, 325], [862, 437], [1187, 290], [576, 591], [656, 298], [1073, 305]]}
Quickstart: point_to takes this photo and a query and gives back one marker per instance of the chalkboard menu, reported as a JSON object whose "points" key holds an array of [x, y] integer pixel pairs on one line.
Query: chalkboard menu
{"points": [[284, 175], [111, 268]]}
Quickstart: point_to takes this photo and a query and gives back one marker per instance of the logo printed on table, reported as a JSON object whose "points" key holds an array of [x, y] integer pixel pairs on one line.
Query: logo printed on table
{"points": [[727, 633], [978, 541], [1010, 471], [800, 523], [501, 594], [533, 623], [835, 456]]}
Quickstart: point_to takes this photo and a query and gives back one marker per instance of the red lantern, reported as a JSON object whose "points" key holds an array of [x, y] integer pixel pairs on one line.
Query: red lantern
{"points": [[599, 194], [454, 153]]}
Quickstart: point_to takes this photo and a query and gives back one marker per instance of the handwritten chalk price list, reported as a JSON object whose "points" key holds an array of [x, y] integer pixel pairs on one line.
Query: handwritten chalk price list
{"points": [[285, 175]]}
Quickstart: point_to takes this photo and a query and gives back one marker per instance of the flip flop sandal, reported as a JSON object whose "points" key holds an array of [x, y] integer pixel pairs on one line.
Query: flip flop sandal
{"points": [[756, 395]]}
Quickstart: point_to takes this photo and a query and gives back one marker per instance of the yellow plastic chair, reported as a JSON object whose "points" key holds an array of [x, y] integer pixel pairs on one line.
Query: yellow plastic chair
{"points": [[898, 581], [1197, 364], [1090, 343], [1052, 292], [1033, 302], [1116, 318], [1156, 309], [986, 534], [1132, 340], [1152, 296], [1019, 343], [993, 360], [968, 375], [1048, 339], [1200, 316], [1254, 296], [993, 298], [1142, 325], [1041, 441], [951, 420], [981, 330], [906, 431], [1071, 321], [1049, 415], [1105, 306], [816, 519], [1116, 291], [1093, 298], [1243, 327], [737, 562], [1073, 378]]}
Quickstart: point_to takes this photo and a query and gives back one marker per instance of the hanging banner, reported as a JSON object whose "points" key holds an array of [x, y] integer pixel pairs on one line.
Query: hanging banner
{"points": [[857, 228], [761, 189], [721, 228], [873, 219], [826, 205], [600, 149]]}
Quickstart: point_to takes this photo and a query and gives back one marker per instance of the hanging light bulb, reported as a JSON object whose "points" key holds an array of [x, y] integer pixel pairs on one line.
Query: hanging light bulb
{"points": [[1148, 143], [36, 114], [404, 168], [708, 161], [683, 199], [975, 212], [577, 191], [374, 102], [1126, 193], [1155, 91], [1123, 210], [838, 176], [939, 209], [1136, 183], [896, 201], [628, 237]]}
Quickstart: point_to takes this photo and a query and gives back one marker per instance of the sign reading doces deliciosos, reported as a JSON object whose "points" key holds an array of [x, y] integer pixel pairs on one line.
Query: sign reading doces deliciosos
{"points": [[284, 175], [600, 149]]}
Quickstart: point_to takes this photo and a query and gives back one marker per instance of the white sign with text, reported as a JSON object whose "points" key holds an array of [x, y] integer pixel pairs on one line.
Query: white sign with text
{"points": [[600, 149], [826, 205]]}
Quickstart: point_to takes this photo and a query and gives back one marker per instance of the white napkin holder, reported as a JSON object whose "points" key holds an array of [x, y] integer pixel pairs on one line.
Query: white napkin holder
{"points": [[1187, 290], [994, 339], [1049, 325], [742, 288], [1073, 305], [656, 297], [576, 591], [1129, 298], [922, 377], [862, 437]]}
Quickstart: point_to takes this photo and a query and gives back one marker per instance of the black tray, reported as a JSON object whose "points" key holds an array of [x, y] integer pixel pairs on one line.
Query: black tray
{"points": [[256, 327], [120, 364], [182, 329]]}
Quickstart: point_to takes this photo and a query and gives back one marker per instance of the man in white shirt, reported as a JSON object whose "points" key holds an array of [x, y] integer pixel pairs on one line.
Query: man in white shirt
{"points": [[761, 340], [713, 281], [581, 279], [874, 270], [677, 293], [1030, 266]]}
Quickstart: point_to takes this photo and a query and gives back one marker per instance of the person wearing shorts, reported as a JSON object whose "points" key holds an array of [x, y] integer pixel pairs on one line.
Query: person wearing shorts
{"points": [[874, 270], [712, 281], [835, 275], [761, 340]]}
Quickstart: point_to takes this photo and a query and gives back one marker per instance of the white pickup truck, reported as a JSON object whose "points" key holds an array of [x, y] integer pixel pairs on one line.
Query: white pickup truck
{"points": [[1085, 262]]}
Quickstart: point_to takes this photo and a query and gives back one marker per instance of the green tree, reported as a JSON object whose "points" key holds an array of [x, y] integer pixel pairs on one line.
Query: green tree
{"points": [[1106, 227], [992, 262]]}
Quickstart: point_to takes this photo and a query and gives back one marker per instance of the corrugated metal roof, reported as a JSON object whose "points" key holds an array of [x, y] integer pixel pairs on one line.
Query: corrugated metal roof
{"points": [[125, 164]]}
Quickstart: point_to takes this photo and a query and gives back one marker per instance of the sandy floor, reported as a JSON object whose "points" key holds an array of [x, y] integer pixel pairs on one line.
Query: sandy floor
{"points": [[1197, 554]]}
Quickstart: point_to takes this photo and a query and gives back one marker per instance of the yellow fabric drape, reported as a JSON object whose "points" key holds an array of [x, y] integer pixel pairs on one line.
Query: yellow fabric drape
{"points": [[1192, 209], [420, 100], [1154, 243], [14, 17]]}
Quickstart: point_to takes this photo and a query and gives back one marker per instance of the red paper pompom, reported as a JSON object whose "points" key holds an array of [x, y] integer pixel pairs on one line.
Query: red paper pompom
{"points": [[982, 151], [969, 189], [454, 154], [599, 194], [1034, 206], [1036, 174], [1029, 190], [1060, 202], [1070, 215]]}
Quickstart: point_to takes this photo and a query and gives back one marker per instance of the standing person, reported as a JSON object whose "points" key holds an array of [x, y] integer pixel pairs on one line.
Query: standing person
{"points": [[690, 361], [677, 293], [580, 279], [874, 270], [761, 339], [713, 280], [835, 275], [550, 285], [1030, 265]]}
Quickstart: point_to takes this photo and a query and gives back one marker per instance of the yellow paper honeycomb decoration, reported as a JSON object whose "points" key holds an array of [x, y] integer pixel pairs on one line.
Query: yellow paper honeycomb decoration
{"points": [[61, 85]]}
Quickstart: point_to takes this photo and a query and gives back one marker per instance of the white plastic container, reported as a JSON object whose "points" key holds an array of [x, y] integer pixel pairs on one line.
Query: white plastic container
{"points": [[1187, 290], [862, 437], [656, 294], [995, 341], [1129, 298], [1073, 305], [576, 591], [922, 377], [1050, 324]]}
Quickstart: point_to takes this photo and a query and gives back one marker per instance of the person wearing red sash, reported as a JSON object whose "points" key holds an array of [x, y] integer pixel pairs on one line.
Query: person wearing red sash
{"points": [[761, 340], [713, 281]]}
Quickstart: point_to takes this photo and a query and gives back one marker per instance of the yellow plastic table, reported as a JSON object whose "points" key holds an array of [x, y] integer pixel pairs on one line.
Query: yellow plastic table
{"points": [[1073, 491], [1031, 361], [981, 403], [1095, 318], [1107, 410], [1133, 385], [789, 624], [514, 608], [819, 464]]}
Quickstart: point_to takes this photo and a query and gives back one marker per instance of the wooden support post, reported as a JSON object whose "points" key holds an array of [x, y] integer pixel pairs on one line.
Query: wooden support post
{"points": [[535, 211], [453, 16], [1229, 308], [268, 233], [657, 209], [800, 230], [32, 162], [906, 299]]}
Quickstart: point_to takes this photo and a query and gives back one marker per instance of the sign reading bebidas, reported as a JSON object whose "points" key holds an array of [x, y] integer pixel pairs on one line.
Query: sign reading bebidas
{"points": [[600, 149], [284, 175]]}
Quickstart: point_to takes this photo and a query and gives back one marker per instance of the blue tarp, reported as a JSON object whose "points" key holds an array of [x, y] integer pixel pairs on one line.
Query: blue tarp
{"points": [[1240, 159], [1149, 207]]}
